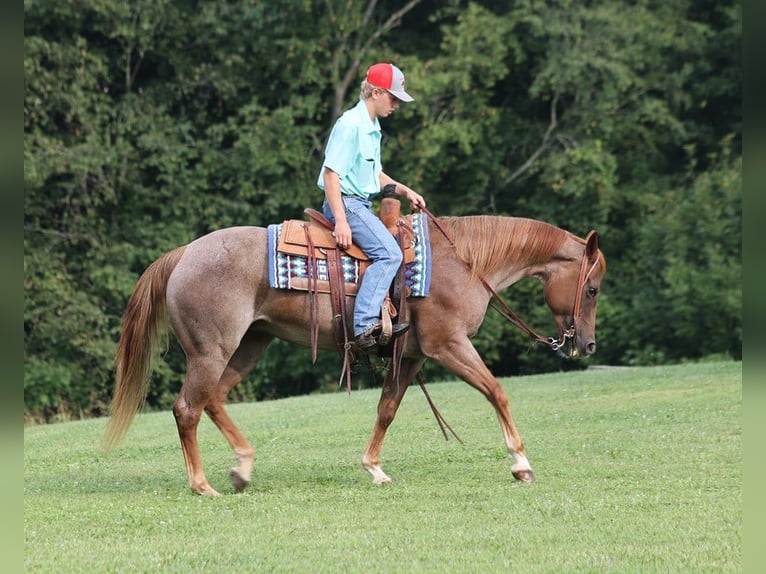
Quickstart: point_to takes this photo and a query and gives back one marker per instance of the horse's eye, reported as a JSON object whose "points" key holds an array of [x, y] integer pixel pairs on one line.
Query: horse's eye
{"points": [[592, 292]]}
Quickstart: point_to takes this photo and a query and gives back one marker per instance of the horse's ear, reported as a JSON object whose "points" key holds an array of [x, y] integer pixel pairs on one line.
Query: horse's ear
{"points": [[591, 244]]}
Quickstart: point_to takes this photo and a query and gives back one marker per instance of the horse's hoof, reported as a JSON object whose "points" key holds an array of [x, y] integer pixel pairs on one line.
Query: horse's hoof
{"points": [[206, 491], [382, 480], [238, 480], [378, 476], [524, 475]]}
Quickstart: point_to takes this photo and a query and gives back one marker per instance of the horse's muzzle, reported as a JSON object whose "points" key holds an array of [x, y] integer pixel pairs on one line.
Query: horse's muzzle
{"points": [[584, 349], [576, 349]]}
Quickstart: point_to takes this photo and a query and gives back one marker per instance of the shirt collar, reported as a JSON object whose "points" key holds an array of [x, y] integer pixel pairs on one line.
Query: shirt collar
{"points": [[364, 117]]}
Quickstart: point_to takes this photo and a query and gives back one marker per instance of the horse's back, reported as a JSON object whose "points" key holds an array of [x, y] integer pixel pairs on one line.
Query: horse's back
{"points": [[228, 253]]}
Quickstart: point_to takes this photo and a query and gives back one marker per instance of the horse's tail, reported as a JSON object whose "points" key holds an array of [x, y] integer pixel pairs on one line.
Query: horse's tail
{"points": [[144, 327]]}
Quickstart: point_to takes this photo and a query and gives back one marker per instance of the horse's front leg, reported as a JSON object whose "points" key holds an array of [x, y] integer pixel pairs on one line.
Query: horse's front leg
{"points": [[462, 359], [390, 398]]}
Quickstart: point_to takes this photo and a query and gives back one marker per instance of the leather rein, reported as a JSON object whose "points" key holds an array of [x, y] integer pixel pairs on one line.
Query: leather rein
{"points": [[497, 303]]}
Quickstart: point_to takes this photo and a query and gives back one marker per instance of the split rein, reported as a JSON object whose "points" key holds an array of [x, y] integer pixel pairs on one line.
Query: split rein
{"points": [[497, 303]]}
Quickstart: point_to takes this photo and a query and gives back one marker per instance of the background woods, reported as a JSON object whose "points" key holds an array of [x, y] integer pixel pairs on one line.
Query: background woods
{"points": [[150, 123]]}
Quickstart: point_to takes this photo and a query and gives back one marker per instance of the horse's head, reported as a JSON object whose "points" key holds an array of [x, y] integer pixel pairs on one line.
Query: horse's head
{"points": [[572, 294]]}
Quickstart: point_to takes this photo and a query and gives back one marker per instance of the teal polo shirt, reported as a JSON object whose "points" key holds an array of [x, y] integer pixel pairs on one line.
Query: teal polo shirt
{"points": [[353, 152]]}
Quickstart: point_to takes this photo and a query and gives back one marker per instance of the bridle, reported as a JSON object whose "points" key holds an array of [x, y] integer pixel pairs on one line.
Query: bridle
{"points": [[497, 303], [582, 279]]}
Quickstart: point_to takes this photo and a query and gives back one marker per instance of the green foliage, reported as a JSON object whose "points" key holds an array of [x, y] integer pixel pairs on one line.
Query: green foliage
{"points": [[150, 123], [458, 146], [691, 236], [68, 344]]}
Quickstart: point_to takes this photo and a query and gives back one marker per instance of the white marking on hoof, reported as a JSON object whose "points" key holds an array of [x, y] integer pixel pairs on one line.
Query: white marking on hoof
{"points": [[378, 476], [520, 463], [522, 471]]}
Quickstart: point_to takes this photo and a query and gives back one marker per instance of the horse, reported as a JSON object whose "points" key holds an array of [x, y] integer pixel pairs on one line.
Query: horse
{"points": [[214, 294]]}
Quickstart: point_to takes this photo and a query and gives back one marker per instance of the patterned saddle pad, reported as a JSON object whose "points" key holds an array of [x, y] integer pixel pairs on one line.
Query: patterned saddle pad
{"points": [[289, 270]]}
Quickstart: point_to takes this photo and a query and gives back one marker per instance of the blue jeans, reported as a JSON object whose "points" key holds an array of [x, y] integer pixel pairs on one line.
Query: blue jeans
{"points": [[369, 233]]}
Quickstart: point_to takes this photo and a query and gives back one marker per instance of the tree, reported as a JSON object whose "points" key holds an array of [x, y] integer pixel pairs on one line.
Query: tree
{"points": [[687, 278], [148, 124]]}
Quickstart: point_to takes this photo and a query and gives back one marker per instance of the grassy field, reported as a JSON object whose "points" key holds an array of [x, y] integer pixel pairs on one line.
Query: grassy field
{"points": [[638, 470]]}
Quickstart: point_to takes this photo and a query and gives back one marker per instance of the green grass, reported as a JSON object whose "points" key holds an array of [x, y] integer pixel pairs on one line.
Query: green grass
{"points": [[638, 470]]}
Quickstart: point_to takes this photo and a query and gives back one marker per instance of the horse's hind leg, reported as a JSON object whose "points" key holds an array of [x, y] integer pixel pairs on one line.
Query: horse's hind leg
{"points": [[390, 398], [202, 376], [250, 350]]}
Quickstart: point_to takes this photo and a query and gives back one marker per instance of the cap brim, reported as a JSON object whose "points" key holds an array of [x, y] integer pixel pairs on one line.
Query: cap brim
{"points": [[403, 96]]}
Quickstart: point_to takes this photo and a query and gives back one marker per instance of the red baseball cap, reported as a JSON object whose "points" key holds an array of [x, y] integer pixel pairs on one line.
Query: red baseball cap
{"points": [[390, 78]]}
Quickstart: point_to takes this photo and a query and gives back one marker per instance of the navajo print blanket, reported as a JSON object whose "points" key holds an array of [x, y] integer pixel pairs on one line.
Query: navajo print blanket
{"points": [[291, 271]]}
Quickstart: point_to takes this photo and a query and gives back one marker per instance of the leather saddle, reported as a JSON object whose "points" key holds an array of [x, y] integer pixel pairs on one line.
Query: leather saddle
{"points": [[294, 239], [313, 239]]}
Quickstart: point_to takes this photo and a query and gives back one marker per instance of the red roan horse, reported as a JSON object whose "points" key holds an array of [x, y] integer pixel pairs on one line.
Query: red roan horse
{"points": [[216, 295]]}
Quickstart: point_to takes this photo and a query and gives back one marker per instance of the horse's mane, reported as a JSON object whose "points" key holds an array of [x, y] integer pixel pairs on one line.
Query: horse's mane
{"points": [[488, 242]]}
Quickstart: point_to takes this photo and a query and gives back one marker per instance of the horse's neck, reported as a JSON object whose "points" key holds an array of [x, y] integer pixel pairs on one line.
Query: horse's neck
{"points": [[505, 250], [518, 270], [569, 250]]}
